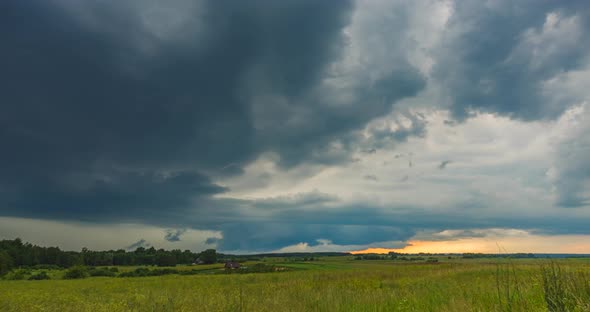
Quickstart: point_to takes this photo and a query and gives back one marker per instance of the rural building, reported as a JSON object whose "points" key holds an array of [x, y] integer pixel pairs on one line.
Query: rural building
{"points": [[232, 265]]}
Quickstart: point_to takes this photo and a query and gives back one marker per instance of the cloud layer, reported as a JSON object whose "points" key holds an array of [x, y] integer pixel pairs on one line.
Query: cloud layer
{"points": [[296, 124]]}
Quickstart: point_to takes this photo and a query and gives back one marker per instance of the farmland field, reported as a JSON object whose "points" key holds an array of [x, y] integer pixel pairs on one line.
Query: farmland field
{"points": [[329, 284]]}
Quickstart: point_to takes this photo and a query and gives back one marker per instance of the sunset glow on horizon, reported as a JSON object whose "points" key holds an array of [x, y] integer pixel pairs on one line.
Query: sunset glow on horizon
{"points": [[571, 244]]}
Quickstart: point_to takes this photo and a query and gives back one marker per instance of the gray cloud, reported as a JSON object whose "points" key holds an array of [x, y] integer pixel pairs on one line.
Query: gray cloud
{"points": [[443, 164], [131, 111], [349, 223], [140, 243], [384, 135], [370, 177], [99, 115], [570, 173], [270, 236], [112, 196], [299, 200], [174, 235], [495, 58], [211, 240]]}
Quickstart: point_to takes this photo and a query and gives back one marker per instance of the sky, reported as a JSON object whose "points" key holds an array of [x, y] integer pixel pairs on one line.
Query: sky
{"points": [[296, 125]]}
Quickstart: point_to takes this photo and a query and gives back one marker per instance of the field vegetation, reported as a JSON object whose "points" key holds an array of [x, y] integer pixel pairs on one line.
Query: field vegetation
{"points": [[325, 284]]}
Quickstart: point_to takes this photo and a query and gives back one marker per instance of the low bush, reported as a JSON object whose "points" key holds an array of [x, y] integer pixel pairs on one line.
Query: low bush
{"points": [[257, 268], [18, 274], [141, 272], [39, 276], [101, 272], [76, 272], [46, 267]]}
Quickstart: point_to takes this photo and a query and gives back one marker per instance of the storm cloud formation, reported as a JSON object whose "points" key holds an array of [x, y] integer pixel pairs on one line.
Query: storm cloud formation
{"points": [[495, 56], [161, 113]]}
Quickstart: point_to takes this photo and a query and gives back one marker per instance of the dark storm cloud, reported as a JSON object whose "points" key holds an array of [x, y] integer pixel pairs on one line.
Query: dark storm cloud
{"points": [[272, 236], [102, 101], [495, 57], [149, 196], [72, 97], [174, 235], [73, 107], [127, 111]]}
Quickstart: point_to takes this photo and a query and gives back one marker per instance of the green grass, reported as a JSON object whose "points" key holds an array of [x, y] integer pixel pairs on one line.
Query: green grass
{"points": [[330, 284]]}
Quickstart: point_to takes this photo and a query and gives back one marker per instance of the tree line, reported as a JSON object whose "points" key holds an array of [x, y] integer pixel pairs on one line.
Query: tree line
{"points": [[16, 253]]}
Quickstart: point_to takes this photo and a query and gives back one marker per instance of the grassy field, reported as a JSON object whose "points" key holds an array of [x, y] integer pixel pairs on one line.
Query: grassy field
{"points": [[330, 284]]}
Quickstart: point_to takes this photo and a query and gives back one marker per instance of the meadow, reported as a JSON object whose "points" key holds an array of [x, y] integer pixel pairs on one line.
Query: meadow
{"points": [[328, 284]]}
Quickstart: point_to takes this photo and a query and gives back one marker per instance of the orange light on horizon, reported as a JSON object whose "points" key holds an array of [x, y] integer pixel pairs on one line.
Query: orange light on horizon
{"points": [[527, 244], [417, 246]]}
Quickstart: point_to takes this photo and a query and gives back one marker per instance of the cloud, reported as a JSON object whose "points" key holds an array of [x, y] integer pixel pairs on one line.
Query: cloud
{"points": [[396, 129], [495, 57], [101, 114], [266, 236], [299, 200], [140, 243], [250, 124], [174, 235], [443, 164], [458, 234], [570, 173], [211, 240], [112, 196], [370, 177]]}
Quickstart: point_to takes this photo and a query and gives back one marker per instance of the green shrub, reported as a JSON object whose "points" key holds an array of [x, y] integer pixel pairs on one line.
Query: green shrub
{"points": [[18, 274], [39, 276], [191, 272], [141, 272], [101, 272], [76, 273], [46, 267]]}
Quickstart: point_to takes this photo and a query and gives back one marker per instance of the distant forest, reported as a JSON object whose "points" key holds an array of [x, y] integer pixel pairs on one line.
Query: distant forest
{"points": [[15, 253]]}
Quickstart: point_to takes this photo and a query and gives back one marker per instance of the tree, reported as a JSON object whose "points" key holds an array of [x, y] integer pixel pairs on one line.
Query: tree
{"points": [[209, 256], [165, 259], [6, 262]]}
